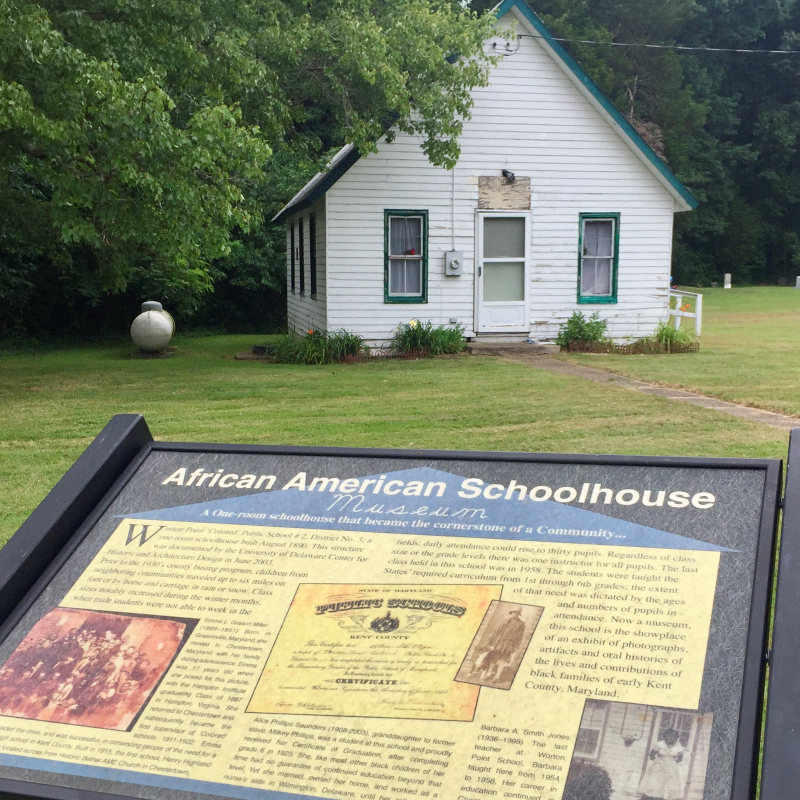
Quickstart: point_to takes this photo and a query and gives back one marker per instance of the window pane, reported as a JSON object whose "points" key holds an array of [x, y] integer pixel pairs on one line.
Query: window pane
{"points": [[596, 276], [586, 741], [413, 277], [397, 235], [594, 714], [405, 236], [587, 276], [405, 277], [504, 281], [397, 283], [291, 248], [504, 237], [598, 237], [681, 723]]}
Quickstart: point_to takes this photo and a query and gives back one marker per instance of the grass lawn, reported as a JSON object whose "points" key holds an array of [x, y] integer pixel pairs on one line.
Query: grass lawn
{"points": [[53, 402], [749, 351]]}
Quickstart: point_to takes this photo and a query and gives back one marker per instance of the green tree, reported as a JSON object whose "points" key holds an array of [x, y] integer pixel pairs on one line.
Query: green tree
{"points": [[727, 124], [94, 160], [137, 139]]}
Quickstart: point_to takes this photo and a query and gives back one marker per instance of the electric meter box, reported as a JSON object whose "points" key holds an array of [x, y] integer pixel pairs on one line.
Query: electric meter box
{"points": [[453, 263]]}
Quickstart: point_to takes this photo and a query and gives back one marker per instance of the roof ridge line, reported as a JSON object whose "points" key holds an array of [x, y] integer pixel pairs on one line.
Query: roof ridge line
{"points": [[323, 181], [616, 115]]}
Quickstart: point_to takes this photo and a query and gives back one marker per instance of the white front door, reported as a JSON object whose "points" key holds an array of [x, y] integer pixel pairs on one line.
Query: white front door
{"points": [[503, 255]]}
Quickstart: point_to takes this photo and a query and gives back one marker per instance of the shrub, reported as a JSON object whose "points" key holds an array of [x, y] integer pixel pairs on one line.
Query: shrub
{"points": [[587, 782], [669, 336], [647, 346], [423, 337], [330, 347], [580, 329]]}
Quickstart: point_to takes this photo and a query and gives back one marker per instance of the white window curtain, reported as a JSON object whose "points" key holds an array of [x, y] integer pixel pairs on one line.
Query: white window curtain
{"points": [[405, 256], [597, 257]]}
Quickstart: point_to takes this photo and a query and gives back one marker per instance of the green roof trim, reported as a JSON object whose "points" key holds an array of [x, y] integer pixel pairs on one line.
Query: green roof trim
{"points": [[593, 88], [321, 183]]}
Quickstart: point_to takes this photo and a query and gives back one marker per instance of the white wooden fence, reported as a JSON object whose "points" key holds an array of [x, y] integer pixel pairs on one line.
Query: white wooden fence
{"points": [[674, 308]]}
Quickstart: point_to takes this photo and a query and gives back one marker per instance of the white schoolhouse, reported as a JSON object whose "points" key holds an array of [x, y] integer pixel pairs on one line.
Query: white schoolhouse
{"points": [[556, 204]]}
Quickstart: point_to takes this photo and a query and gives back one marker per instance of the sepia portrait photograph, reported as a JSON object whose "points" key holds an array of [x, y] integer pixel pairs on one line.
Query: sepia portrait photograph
{"points": [[89, 668], [627, 751], [496, 651]]}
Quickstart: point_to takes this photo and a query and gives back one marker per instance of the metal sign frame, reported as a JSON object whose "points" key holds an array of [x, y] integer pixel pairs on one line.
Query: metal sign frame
{"points": [[781, 760], [44, 542]]}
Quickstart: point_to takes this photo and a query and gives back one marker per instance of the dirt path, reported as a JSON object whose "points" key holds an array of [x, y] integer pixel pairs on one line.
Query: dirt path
{"points": [[539, 360]]}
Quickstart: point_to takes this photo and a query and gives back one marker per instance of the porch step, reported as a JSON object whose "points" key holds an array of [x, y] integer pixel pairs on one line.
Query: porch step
{"points": [[502, 337], [483, 348]]}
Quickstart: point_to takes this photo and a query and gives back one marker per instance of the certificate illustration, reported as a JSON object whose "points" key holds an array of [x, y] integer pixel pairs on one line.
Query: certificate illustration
{"points": [[389, 651]]}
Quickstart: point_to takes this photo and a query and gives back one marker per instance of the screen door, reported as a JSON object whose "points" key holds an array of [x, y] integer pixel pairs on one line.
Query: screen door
{"points": [[503, 255]]}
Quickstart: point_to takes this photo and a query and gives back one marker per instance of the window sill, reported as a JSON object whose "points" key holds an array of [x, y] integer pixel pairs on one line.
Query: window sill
{"points": [[596, 300], [406, 300]]}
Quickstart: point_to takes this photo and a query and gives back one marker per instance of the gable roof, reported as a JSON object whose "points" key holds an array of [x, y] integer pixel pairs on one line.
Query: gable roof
{"points": [[349, 155], [596, 97], [320, 183]]}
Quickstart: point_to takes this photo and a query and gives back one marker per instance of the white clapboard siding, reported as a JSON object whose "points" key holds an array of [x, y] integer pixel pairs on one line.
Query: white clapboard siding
{"points": [[305, 312], [533, 121]]}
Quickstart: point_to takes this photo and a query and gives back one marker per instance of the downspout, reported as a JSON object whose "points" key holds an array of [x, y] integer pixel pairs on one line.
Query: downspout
{"points": [[452, 233], [453, 208]]}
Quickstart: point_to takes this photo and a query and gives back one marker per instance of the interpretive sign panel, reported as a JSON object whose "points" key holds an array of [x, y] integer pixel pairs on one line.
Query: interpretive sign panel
{"points": [[263, 623]]}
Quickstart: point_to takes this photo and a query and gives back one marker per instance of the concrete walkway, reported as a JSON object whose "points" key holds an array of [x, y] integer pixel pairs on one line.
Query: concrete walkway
{"points": [[540, 357]]}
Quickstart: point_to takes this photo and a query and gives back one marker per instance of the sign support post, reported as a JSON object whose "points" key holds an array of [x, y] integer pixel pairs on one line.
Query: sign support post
{"points": [[781, 764]]}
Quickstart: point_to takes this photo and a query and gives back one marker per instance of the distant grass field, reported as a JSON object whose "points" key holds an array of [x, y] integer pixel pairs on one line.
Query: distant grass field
{"points": [[749, 351], [53, 403]]}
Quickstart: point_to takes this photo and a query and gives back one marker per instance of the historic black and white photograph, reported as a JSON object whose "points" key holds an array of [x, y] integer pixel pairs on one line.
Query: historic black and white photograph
{"points": [[89, 668], [627, 751], [499, 645]]}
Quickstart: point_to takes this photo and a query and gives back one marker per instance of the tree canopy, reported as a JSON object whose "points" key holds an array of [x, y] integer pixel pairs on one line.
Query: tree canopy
{"points": [[728, 124], [143, 146], [141, 143]]}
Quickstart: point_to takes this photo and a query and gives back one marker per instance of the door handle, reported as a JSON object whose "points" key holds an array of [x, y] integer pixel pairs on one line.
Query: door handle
{"points": [[480, 271]]}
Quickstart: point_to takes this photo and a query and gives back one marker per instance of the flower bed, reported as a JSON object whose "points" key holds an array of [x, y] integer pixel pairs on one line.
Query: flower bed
{"points": [[422, 340], [402, 355], [639, 347]]}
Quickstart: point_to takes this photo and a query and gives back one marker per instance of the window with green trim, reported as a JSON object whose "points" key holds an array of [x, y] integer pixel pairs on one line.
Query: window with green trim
{"points": [[302, 254], [312, 253], [405, 268], [291, 255], [598, 258]]}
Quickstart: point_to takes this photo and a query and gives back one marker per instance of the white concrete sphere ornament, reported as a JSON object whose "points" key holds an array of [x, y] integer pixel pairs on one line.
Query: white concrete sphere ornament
{"points": [[153, 328]]}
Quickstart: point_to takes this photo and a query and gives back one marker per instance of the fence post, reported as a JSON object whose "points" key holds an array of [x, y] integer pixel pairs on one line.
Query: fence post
{"points": [[678, 304], [698, 315]]}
